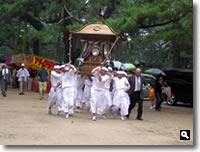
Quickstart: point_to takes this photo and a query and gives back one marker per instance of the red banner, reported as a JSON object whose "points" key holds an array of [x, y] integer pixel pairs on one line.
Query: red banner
{"points": [[39, 61], [34, 62]]}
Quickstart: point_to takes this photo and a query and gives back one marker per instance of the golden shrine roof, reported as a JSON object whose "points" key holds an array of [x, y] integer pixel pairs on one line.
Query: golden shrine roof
{"points": [[96, 29]]}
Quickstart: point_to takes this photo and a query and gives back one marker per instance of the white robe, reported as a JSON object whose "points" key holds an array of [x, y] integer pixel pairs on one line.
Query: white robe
{"points": [[52, 99], [79, 82], [87, 92], [67, 82], [108, 94], [121, 99], [60, 99], [97, 104]]}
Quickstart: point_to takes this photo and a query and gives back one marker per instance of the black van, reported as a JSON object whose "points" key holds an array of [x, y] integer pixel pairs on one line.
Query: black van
{"points": [[181, 83]]}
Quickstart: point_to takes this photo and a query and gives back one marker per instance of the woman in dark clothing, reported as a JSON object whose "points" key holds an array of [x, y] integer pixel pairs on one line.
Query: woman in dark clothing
{"points": [[158, 91]]}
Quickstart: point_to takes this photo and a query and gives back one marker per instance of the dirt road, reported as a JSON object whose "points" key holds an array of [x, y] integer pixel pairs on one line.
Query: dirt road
{"points": [[24, 120]]}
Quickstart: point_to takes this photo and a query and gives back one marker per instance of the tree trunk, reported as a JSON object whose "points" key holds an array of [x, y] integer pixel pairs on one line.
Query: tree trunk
{"points": [[36, 46], [37, 25], [25, 45], [17, 38], [58, 47], [66, 36], [66, 43], [176, 58]]}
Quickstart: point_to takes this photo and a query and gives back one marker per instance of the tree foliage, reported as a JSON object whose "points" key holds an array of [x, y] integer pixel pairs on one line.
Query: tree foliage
{"points": [[155, 33]]}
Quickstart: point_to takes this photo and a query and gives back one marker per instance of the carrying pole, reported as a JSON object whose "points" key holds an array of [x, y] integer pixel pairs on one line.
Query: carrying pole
{"points": [[117, 38], [70, 48]]}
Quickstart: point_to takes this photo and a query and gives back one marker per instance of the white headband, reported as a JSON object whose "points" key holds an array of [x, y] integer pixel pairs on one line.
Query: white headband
{"points": [[62, 66], [120, 72], [56, 67], [125, 73], [109, 68], [67, 68], [104, 68]]}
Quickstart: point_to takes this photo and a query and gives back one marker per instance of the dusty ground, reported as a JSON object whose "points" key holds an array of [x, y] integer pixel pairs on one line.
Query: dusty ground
{"points": [[24, 120]]}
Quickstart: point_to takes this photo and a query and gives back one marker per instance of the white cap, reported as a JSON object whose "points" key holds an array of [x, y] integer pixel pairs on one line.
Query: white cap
{"points": [[22, 64], [67, 68], [56, 67], [104, 68], [62, 66], [120, 72], [125, 73], [110, 68]]}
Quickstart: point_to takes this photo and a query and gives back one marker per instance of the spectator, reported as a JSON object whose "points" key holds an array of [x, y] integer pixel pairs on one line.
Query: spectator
{"points": [[152, 96], [136, 93], [42, 76], [167, 91], [22, 75], [14, 76], [4, 80], [158, 91]]}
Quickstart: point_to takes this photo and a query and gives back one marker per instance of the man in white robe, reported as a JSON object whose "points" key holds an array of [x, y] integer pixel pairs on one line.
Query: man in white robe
{"points": [[67, 83], [53, 96], [109, 85], [97, 91], [79, 82], [87, 92], [121, 99], [107, 98], [59, 92]]}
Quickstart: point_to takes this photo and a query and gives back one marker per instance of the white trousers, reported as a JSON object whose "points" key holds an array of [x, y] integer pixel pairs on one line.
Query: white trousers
{"points": [[108, 98], [105, 103], [86, 95], [60, 101], [52, 98], [68, 99], [96, 98], [121, 101], [78, 94]]}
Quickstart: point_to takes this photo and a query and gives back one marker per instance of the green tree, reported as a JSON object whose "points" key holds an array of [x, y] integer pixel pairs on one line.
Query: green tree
{"points": [[156, 33]]}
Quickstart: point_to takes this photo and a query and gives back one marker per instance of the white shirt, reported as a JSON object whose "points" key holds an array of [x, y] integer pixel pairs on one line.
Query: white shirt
{"points": [[120, 84], [55, 78], [23, 73], [88, 82], [107, 83], [4, 72], [26, 74], [137, 83], [95, 79], [79, 81], [67, 79], [99, 85]]}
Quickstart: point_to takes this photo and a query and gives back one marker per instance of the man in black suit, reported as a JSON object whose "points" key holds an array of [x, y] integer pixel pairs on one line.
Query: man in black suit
{"points": [[4, 80], [136, 93]]}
